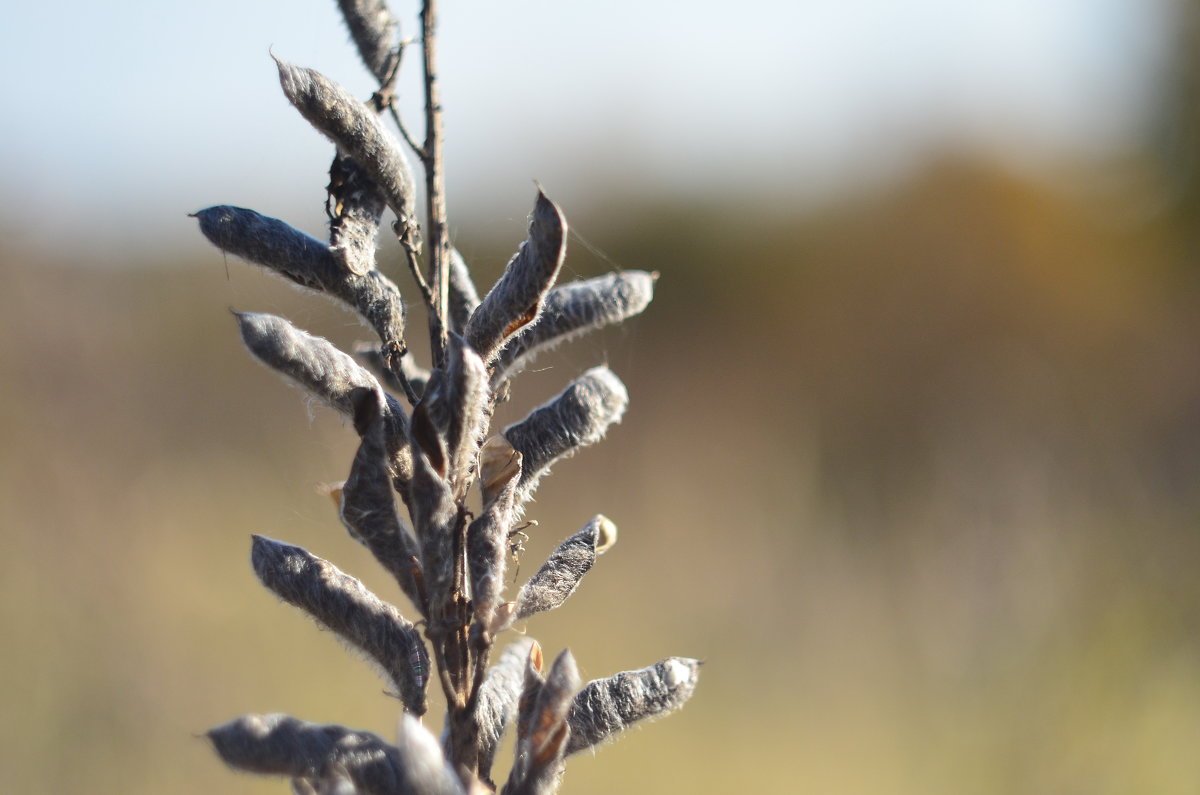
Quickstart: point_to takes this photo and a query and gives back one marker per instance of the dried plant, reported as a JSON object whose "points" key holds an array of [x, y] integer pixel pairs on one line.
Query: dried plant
{"points": [[425, 438]]}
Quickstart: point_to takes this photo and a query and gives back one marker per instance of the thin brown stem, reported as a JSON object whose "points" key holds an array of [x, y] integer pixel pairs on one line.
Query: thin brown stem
{"points": [[435, 186]]}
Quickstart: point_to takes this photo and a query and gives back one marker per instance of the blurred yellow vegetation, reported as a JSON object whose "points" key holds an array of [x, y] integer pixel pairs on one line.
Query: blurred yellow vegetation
{"points": [[928, 459]]}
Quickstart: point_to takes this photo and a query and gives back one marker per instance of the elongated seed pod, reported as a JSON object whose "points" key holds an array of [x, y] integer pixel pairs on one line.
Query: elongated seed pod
{"points": [[575, 418], [487, 535], [327, 374], [374, 32], [560, 575], [312, 362], [571, 310], [457, 401], [343, 605], [516, 299], [425, 768], [306, 261], [354, 207], [539, 753], [434, 513], [497, 703], [462, 297], [357, 131], [368, 506], [418, 376], [607, 706], [285, 746]]}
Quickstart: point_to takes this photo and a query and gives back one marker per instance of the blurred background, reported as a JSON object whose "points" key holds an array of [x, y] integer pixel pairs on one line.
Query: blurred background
{"points": [[912, 453]]}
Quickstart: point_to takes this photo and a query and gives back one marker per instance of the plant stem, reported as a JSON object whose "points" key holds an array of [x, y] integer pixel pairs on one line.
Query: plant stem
{"points": [[435, 186]]}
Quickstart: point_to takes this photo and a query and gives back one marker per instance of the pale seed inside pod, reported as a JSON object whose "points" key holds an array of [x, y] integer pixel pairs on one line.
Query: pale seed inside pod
{"points": [[498, 464]]}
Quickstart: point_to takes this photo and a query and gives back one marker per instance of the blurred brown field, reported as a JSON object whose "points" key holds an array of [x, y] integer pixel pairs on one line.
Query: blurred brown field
{"points": [[915, 474]]}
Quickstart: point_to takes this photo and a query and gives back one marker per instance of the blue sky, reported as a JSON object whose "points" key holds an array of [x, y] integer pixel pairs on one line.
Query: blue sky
{"points": [[120, 118]]}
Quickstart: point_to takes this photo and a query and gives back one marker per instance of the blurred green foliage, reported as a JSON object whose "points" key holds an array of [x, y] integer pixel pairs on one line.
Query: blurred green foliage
{"points": [[916, 474]]}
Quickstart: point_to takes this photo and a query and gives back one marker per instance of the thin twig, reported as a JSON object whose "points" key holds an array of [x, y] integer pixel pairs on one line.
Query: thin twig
{"points": [[435, 186]]}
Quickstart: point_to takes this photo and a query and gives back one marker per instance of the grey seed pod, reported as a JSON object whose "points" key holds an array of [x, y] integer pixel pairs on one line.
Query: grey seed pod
{"points": [[425, 768], [560, 575], [328, 375], [343, 605], [354, 206], [374, 33], [283, 745], [539, 753], [497, 703], [457, 400], [571, 310], [462, 296], [368, 506], [418, 376], [357, 131], [577, 417], [487, 535], [531, 687], [516, 299], [306, 261], [434, 514], [312, 362], [607, 706]]}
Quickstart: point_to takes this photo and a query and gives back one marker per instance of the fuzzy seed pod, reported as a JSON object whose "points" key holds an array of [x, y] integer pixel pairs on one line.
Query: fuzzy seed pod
{"points": [[560, 575], [312, 362], [607, 706], [306, 261], [497, 703], [374, 33], [457, 403], [425, 768], [368, 506], [571, 310], [354, 206], [462, 297], [331, 754], [284, 746], [434, 513], [487, 536], [577, 417], [357, 131], [516, 299], [540, 749], [343, 605]]}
